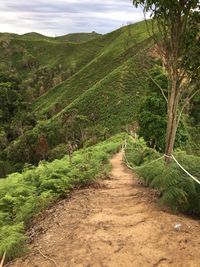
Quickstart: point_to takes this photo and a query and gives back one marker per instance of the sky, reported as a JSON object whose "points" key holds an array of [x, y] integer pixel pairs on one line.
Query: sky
{"points": [[59, 17]]}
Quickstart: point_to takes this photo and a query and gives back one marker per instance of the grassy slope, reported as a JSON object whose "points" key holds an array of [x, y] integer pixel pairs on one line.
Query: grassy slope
{"points": [[90, 61], [47, 53], [111, 102], [114, 53], [106, 87], [77, 37]]}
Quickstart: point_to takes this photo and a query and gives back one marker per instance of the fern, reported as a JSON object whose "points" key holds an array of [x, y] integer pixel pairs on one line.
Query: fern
{"points": [[176, 197], [178, 190], [12, 240], [24, 195]]}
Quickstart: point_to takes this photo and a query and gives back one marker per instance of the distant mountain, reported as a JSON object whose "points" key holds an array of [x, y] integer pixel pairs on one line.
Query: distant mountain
{"points": [[72, 37], [78, 37], [34, 36]]}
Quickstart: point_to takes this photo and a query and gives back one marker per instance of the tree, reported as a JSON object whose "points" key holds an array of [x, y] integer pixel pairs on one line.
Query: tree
{"points": [[152, 117], [29, 61], [42, 147], [175, 26], [10, 98]]}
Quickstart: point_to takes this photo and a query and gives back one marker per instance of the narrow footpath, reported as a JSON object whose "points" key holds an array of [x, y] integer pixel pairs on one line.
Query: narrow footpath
{"points": [[115, 223]]}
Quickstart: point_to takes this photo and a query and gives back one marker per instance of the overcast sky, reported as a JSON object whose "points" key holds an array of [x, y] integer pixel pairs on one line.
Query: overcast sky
{"points": [[58, 17]]}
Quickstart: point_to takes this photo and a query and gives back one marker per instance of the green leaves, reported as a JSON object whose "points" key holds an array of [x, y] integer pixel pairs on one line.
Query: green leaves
{"points": [[178, 24], [24, 195], [177, 190], [12, 240], [162, 8], [152, 115]]}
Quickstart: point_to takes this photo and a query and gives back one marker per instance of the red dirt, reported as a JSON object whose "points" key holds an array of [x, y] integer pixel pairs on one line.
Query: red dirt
{"points": [[116, 223]]}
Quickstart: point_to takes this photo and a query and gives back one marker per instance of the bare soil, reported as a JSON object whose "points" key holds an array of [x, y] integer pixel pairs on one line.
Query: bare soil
{"points": [[115, 223]]}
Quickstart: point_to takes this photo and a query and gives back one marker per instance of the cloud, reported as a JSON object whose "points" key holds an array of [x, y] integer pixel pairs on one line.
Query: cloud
{"points": [[59, 17]]}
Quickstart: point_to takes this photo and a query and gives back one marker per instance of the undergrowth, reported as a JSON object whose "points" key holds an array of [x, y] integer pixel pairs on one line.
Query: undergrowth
{"points": [[176, 188], [23, 195]]}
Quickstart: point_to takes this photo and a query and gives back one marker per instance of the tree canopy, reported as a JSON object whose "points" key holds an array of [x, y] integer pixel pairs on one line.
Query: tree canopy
{"points": [[176, 33]]}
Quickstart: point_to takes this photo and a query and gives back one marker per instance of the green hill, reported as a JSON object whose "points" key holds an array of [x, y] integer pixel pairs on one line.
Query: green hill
{"points": [[78, 37], [114, 49], [79, 92], [68, 38]]}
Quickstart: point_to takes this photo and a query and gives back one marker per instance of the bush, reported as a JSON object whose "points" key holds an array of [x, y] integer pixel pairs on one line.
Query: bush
{"points": [[12, 240], [177, 189], [24, 195], [58, 152]]}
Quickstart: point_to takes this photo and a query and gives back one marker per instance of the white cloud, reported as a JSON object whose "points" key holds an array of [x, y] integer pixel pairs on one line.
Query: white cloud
{"points": [[59, 17]]}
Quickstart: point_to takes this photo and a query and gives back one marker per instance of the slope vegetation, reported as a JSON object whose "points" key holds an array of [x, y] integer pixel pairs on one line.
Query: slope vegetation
{"points": [[24, 195], [115, 223], [77, 92], [116, 48]]}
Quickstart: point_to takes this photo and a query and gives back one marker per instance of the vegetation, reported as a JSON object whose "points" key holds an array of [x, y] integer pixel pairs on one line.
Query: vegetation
{"points": [[177, 42], [82, 94], [152, 117], [176, 188], [23, 195], [73, 92], [72, 37], [78, 37]]}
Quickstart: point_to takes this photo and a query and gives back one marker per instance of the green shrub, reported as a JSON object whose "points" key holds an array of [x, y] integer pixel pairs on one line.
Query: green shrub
{"points": [[177, 189], [12, 240], [58, 152], [24, 195]]}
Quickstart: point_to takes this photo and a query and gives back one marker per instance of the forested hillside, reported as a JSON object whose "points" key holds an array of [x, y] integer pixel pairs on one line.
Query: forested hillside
{"points": [[68, 92], [79, 88]]}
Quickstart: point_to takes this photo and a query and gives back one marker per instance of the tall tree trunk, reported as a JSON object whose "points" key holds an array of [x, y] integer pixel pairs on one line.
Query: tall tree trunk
{"points": [[171, 135], [172, 121]]}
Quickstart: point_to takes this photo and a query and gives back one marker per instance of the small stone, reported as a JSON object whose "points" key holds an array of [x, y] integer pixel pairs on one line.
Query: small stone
{"points": [[178, 226]]}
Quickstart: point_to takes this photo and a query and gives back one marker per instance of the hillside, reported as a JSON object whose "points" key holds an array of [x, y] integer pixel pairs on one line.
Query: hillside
{"points": [[71, 37], [116, 49], [78, 92], [78, 37], [70, 92]]}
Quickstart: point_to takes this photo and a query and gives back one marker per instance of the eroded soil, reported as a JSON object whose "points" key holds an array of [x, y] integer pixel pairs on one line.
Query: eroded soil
{"points": [[116, 223]]}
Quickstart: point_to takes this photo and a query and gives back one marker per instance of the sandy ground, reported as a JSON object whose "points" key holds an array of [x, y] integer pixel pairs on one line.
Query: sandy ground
{"points": [[115, 223]]}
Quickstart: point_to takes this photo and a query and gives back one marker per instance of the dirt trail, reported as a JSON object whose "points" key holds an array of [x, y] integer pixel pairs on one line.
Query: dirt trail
{"points": [[117, 223]]}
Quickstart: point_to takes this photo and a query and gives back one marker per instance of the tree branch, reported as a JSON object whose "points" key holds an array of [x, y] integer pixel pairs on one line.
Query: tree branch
{"points": [[158, 85], [185, 104]]}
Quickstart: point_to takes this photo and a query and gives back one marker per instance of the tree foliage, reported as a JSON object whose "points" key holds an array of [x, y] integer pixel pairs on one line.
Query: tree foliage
{"points": [[152, 117], [177, 37], [10, 98]]}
